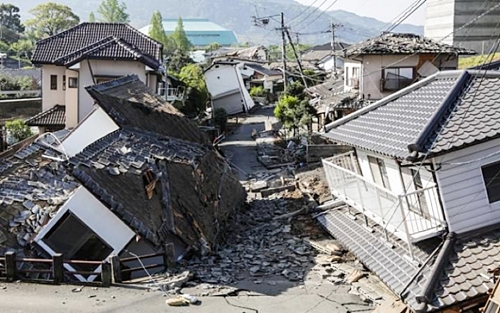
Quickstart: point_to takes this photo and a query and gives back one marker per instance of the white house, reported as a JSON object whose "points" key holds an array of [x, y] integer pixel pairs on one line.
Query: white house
{"points": [[383, 65], [425, 163], [227, 89], [87, 54], [322, 56]]}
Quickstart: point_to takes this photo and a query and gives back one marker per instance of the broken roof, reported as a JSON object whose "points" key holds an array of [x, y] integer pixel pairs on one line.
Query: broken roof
{"points": [[55, 116], [32, 189], [400, 43], [447, 111], [132, 105], [263, 70], [98, 40], [460, 270], [250, 53]]}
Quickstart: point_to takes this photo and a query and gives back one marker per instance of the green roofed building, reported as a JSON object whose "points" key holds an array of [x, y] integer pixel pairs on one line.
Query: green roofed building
{"points": [[200, 32]]}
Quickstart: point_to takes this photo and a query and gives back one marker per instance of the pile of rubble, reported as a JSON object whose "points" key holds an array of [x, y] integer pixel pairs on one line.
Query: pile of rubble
{"points": [[261, 244]]}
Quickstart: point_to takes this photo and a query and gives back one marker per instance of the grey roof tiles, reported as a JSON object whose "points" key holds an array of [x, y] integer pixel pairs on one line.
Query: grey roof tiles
{"points": [[94, 38], [400, 43], [464, 274], [54, 116], [391, 125]]}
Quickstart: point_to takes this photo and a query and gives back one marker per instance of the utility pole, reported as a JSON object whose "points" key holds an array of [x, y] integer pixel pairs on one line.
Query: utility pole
{"points": [[298, 45], [283, 48], [334, 48], [297, 58]]}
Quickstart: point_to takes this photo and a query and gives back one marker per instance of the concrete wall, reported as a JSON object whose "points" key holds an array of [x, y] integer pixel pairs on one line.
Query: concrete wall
{"points": [[52, 97], [446, 16], [103, 68]]}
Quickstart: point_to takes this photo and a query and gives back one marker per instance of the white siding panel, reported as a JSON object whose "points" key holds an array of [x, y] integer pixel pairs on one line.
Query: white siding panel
{"points": [[463, 190]]}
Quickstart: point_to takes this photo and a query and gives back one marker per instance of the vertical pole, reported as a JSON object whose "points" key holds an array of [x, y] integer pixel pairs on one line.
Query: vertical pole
{"points": [[106, 274], [408, 238], [283, 48], [298, 46], [116, 269], [332, 25], [57, 268], [10, 266], [169, 256]]}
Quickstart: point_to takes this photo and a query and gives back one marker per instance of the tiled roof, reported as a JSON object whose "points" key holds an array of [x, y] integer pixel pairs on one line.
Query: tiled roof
{"points": [[32, 188], [108, 48], [190, 179], [397, 43], [48, 50], [447, 111], [263, 70], [132, 105], [463, 275], [55, 116]]}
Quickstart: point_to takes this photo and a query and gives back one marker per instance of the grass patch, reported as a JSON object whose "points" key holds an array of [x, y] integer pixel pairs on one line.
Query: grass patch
{"points": [[467, 62]]}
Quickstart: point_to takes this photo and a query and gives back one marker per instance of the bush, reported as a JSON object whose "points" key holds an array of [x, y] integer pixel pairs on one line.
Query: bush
{"points": [[18, 129], [258, 91], [220, 118], [294, 112]]}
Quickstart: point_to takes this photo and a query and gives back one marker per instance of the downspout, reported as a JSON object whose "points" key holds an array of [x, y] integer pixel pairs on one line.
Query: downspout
{"points": [[438, 191], [426, 296]]}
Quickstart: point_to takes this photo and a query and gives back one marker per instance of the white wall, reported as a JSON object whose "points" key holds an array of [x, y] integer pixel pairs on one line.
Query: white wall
{"points": [[220, 79], [391, 167], [52, 97], [104, 68], [463, 189], [327, 64], [97, 125], [348, 66], [97, 217], [439, 21], [71, 97]]}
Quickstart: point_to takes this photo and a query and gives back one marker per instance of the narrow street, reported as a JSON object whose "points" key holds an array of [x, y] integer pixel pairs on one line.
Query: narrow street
{"points": [[265, 265]]}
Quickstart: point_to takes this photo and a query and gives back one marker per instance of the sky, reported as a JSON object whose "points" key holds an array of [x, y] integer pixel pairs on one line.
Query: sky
{"points": [[384, 10]]}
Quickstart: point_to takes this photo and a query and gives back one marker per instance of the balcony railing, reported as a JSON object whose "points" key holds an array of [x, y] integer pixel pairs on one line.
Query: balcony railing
{"points": [[172, 94], [412, 217]]}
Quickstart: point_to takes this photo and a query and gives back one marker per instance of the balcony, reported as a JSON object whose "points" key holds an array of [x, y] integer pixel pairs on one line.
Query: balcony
{"points": [[172, 94], [412, 217]]}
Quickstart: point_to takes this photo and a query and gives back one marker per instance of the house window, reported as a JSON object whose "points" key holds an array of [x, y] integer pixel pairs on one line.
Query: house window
{"points": [[355, 78], [420, 207], [73, 82], [379, 171], [396, 78], [64, 82], [491, 177], [76, 241], [492, 307], [53, 82], [347, 80]]}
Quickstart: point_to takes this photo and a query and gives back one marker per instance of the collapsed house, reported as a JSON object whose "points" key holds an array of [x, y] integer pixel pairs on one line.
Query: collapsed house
{"points": [[148, 181]]}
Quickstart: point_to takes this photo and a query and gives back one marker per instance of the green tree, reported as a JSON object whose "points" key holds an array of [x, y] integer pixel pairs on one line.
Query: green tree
{"points": [[220, 118], [213, 46], [294, 113], [157, 32], [111, 11], [177, 61], [197, 96], [91, 17], [22, 48], [180, 38], [10, 21], [18, 129], [50, 19]]}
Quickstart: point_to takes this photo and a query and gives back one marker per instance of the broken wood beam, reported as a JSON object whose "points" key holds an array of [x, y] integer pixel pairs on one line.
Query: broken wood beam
{"points": [[10, 266], [58, 268]]}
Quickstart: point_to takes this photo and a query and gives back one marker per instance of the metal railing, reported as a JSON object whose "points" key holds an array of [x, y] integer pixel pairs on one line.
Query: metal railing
{"points": [[412, 217]]}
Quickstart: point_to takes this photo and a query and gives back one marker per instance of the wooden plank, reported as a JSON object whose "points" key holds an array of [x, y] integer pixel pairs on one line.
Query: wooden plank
{"points": [[82, 262], [116, 269], [134, 269], [28, 260], [36, 271], [106, 276], [142, 257]]}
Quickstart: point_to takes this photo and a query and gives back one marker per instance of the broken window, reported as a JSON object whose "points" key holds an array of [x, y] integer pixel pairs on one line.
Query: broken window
{"points": [[491, 177], [396, 78], [379, 171], [53, 82], [71, 237], [149, 179]]}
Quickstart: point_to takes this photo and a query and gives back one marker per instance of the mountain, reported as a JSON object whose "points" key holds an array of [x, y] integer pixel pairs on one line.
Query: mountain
{"points": [[237, 16]]}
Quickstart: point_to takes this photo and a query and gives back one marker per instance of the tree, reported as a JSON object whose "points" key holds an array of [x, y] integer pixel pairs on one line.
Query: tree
{"points": [[50, 19], [220, 118], [22, 48], [180, 38], [91, 17], [294, 113], [157, 32], [18, 129], [213, 46], [197, 94], [113, 12], [177, 61], [10, 22]]}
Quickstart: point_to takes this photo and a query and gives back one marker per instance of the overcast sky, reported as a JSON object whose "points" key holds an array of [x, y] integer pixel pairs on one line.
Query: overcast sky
{"points": [[384, 10]]}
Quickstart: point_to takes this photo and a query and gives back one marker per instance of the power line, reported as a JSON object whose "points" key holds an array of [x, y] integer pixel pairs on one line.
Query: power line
{"points": [[323, 12], [312, 12], [303, 11], [412, 10]]}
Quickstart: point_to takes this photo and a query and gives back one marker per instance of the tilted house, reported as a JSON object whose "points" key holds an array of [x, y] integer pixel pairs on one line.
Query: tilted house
{"points": [[385, 64], [84, 55], [141, 178], [421, 195]]}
